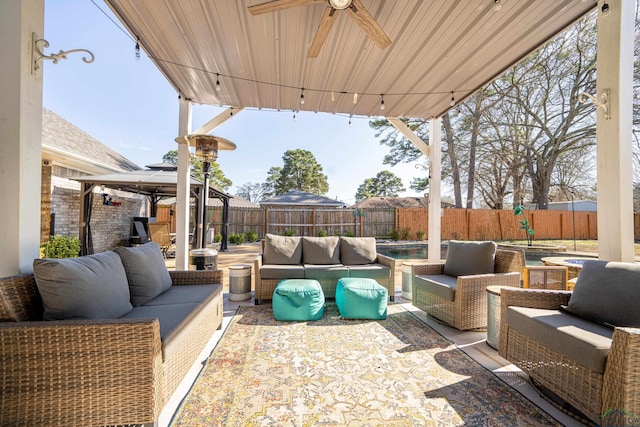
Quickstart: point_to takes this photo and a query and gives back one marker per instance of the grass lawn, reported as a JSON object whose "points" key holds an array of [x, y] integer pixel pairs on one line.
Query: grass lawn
{"points": [[581, 245]]}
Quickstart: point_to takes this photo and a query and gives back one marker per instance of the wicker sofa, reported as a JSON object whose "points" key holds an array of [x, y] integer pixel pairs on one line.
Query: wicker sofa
{"points": [[581, 348], [94, 367], [455, 292], [325, 259]]}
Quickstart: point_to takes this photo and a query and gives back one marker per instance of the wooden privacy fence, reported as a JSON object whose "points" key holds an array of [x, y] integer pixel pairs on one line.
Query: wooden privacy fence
{"points": [[463, 224], [486, 224]]}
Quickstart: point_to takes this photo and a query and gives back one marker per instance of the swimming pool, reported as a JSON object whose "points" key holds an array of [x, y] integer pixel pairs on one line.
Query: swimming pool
{"points": [[421, 252]]}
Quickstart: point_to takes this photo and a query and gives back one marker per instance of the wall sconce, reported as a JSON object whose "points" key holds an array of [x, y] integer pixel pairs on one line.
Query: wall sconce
{"points": [[37, 54]]}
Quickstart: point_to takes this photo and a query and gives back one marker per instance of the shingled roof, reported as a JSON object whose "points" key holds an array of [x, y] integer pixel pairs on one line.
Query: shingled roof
{"points": [[61, 139], [301, 199], [394, 202]]}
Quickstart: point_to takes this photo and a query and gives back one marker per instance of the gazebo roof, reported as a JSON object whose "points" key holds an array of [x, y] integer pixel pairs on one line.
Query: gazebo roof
{"points": [[157, 183], [439, 49]]}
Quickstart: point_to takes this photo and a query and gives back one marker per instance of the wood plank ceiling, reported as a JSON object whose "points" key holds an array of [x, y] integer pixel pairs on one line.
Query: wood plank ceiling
{"points": [[439, 47]]}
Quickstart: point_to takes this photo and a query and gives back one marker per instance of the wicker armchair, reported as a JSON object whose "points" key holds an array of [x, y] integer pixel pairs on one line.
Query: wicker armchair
{"points": [[468, 309], [606, 399], [90, 372]]}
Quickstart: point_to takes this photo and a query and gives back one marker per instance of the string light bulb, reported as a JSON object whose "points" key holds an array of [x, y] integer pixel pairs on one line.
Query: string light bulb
{"points": [[606, 10], [497, 5], [218, 82], [382, 102], [138, 49], [302, 96], [355, 98], [453, 100], [333, 97]]}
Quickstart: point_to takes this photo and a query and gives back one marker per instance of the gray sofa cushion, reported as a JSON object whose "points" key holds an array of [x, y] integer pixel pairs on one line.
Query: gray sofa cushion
{"points": [[588, 343], [357, 250], [321, 250], [146, 271], [468, 258], [282, 249], [186, 294], [603, 293], [325, 271], [272, 272], [88, 287], [439, 284], [175, 321], [369, 271]]}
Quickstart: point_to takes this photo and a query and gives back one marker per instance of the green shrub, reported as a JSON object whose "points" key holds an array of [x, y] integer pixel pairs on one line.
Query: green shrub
{"points": [[420, 235], [349, 233], [394, 234], [61, 247], [238, 239], [217, 238], [289, 232], [337, 233], [405, 233], [251, 236], [322, 233]]}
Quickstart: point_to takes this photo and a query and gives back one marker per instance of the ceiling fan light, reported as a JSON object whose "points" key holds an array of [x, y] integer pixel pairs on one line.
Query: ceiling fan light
{"points": [[340, 4]]}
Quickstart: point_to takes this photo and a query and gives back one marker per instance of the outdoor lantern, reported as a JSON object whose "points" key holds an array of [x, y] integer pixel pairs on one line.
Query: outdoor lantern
{"points": [[207, 147]]}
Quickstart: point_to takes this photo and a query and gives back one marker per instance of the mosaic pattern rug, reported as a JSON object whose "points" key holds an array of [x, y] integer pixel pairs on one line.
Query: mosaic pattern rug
{"points": [[336, 372]]}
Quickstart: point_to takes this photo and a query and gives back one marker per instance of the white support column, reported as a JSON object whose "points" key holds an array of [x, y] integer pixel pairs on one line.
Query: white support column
{"points": [[20, 136], [227, 114], [435, 180], [183, 190], [614, 135]]}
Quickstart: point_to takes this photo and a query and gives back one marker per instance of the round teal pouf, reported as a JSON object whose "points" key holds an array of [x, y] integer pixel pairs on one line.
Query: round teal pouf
{"points": [[359, 298], [298, 300]]}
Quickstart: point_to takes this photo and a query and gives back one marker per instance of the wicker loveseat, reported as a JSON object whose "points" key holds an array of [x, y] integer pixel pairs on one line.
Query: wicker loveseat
{"points": [[581, 348], [95, 367], [455, 292], [325, 259]]}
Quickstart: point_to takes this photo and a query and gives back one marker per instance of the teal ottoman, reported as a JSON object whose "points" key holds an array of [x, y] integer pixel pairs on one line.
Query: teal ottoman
{"points": [[298, 300], [359, 298]]}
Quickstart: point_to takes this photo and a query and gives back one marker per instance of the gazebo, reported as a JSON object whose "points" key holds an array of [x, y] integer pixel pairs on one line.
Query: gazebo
{"points": [[409, 58], [156, 185]]}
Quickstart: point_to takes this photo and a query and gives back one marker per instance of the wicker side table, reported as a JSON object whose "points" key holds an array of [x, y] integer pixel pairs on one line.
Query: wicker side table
{"points": [[545, 277], [493, 315]]}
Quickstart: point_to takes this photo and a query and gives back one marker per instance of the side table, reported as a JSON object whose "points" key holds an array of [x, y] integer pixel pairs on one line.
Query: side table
{"points": [[545, 277], [493, 315]]}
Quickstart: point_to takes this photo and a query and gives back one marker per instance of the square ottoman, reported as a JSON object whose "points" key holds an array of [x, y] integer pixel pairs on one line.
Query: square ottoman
{"points": [[298, 300], [359, 298]]}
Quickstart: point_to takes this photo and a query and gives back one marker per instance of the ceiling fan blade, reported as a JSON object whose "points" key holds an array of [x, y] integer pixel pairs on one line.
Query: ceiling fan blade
{"points": [[276, 5], [322, 32], [362, 16]]}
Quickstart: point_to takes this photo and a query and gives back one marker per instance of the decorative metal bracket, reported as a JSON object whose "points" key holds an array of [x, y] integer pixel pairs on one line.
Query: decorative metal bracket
{"points": [[602, 103], [37, 54]]}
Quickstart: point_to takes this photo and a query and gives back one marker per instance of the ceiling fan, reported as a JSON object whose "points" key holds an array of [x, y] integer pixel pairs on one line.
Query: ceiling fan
{"points": [[354, 8]]}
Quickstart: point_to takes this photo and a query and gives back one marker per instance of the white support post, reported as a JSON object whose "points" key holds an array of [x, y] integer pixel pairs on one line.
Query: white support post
{"points": [[183, 190], [614, 134], [227, 114], [435, 180], [20, 136]]}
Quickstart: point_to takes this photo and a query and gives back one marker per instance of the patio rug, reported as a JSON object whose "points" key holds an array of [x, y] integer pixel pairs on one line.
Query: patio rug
{"points": [[336, 372]]}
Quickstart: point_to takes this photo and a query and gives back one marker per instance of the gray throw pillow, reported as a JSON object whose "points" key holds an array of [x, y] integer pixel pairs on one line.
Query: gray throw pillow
{"points": [[88, 287], [607, 292], [146, 271], [469, 258], [358, 250], [285, 250], [321, 250]]}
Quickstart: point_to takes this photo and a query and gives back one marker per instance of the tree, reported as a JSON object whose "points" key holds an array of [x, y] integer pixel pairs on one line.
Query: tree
{"points": [[384, 184], [253, 192], [419, 184], [301, 172], [217, 177]]}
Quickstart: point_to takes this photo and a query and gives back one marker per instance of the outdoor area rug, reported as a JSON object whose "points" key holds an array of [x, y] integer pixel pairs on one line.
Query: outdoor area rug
{"points": [[336, 372]]}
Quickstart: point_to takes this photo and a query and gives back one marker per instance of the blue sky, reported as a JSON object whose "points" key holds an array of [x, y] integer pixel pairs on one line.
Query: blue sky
{"points": [[128, 105]]}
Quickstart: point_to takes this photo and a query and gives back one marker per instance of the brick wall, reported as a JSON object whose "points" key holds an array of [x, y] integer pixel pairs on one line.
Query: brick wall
{"points": [[45, 202], [110, 224]]}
